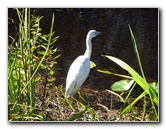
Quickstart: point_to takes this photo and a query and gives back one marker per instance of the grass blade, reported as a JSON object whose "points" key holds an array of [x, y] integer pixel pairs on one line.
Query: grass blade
{"points": [[136, 77], [130, 105], [77, 115], [136, 51], [117, 95]]}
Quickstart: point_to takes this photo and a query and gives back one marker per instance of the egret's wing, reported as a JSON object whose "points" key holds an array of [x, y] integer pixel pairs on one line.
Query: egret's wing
{"points": [[78, 72]]}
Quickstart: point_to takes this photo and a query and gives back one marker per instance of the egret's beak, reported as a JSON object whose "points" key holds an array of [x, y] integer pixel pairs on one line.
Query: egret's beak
{"points": [[98, 33]]}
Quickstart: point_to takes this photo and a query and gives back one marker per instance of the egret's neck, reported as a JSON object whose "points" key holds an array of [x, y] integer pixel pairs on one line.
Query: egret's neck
{"points": [[88, 47]]}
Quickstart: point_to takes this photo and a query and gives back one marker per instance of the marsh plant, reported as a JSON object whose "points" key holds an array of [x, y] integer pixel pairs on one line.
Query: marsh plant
{"points": [[150, 89], [32, 51]]}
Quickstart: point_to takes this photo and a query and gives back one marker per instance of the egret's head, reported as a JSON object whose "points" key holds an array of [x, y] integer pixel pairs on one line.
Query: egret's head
{"points": [[93, 33]]}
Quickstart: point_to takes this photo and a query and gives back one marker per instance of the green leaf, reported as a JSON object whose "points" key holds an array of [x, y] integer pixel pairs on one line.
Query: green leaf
{"points": [[44, 46], [54, 39], [51, 64], [130, 105], [154, 85], [22, 71], [39, 29], [116, 74], [104, 71], [44, 37], [41, 52], [42, 66], [122, 85], [51, 72], [92, 64], [35, 25], [133, 73], [37, 79], [57, 56], [77, 115], [136, 77]]}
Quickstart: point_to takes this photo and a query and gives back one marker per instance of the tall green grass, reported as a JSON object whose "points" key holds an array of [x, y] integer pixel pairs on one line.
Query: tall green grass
{"points": [[23, 64]]}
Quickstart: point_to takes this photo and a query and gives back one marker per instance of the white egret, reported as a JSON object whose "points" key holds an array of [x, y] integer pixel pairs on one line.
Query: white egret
{"points": [[80, 68]]}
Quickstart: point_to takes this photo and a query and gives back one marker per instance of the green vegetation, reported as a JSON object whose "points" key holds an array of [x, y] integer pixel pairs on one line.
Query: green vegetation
{"points": [[25, 58], [150, 89], [34, 97]]}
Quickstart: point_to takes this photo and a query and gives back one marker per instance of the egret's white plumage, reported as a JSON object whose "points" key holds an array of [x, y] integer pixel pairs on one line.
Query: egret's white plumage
{"points": [[80, 68]]}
